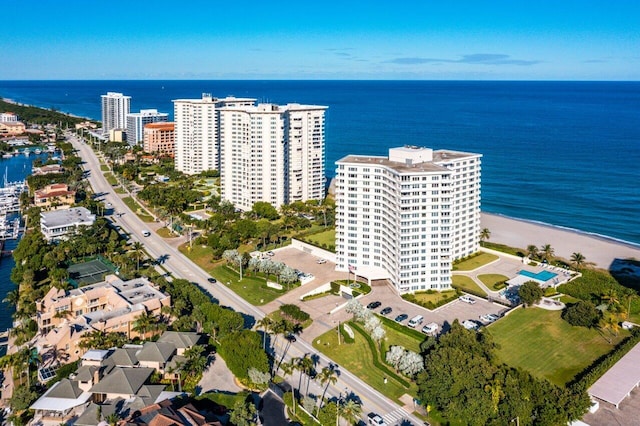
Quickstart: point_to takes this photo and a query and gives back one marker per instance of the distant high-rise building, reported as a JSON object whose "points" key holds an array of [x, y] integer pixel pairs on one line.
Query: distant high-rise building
{"points": [[271, 153], [408, 216], [115, 107], [196, 132], [159, 138], [137, 120]]}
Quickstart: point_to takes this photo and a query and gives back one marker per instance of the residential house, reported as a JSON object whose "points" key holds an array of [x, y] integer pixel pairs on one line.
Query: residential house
{"points": [[55, 196], [59, 224]]}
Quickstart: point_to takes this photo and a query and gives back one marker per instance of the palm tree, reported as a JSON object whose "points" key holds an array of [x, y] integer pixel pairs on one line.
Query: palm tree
{"points": [[196, 360], [328, 376], [266, 324], [485, 234], [305, 366], [142, 324], [547, 252], [578, 260], [532, 251], [137, 248], [350, 411]]}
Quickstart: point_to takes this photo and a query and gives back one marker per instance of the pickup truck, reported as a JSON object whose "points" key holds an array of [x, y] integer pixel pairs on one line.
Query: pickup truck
{"points": [[375, 420]]}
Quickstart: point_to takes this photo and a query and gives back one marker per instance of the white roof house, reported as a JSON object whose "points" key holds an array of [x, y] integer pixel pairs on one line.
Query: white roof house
{"points": [[58, 224]]}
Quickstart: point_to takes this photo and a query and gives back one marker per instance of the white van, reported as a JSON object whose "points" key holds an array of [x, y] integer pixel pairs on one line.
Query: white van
{"points": [[413, 322]]}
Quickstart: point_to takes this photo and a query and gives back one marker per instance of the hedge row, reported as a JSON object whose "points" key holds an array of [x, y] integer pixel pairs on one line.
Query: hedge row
{"points": [[375, 353], [411, 332], [475, 292], [600, 366]]}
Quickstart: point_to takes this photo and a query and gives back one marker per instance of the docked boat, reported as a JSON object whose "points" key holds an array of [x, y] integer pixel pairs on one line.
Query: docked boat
{"points": [[7, 155], [26, 152], [37, 151]]}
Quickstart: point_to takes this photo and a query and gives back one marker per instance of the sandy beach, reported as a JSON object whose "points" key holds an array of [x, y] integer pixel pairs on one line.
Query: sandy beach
{"points": [[519, 233]]}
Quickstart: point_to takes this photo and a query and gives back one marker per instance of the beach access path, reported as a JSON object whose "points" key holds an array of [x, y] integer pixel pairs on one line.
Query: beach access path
{"points": [[519, 233]]}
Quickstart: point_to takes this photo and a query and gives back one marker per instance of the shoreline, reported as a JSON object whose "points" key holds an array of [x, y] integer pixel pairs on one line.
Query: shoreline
{"points": [[600, 250], [14, 102]]}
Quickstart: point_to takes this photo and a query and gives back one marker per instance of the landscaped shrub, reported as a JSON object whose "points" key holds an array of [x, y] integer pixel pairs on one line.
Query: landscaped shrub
{"points": [[335, 287], [345, 336], [294, 313], [376, 356], [583, 314]]}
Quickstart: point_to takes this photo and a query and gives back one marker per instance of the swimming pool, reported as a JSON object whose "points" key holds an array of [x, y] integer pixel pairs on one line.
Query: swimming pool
{"points": [[542, 275]]}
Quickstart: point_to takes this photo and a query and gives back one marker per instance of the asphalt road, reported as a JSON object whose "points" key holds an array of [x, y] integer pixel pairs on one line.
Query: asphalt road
{"points": [[180, 266]]}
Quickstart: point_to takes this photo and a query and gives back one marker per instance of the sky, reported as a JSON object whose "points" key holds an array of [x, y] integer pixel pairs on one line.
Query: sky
{"points": [[329, 39]]}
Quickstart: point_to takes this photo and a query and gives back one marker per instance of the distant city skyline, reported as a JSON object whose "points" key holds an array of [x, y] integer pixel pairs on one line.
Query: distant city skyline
{"points": [[499, 40]]}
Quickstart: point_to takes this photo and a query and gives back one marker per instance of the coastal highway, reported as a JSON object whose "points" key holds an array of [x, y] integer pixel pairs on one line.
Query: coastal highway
{"points": [[180, 266]]}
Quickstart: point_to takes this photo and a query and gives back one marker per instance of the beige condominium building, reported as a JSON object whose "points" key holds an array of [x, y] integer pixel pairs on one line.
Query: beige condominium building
{"points": [[159, 138], [110, 306], [406, 217], [272, 153], [197, 135]]}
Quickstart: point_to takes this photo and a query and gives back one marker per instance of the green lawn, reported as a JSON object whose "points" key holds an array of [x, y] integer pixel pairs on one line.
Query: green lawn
{"points": [[327, 237], [135, 207], [465, 283], [165, 233], [474, 262], [542, 343], [252, 289], [358, 359], [104, 168], [490, 280], [200, 255], [111, 179], [504, 248], [436, 296]]}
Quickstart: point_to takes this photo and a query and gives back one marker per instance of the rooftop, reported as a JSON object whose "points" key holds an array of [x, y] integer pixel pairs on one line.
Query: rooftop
{"points": [[74, 215]]}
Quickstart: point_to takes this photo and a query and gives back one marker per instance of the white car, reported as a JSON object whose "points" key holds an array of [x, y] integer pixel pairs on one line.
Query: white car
{"points": [[469, 325], [321, 261], [430, 328], [145, 233], [468, 299], [376, 420]]}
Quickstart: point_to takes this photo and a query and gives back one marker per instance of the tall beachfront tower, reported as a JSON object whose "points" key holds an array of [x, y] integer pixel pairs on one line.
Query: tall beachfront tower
{"points": [[272, 153], [115, 107], [407, 216], [197, 135], [137, 120]]}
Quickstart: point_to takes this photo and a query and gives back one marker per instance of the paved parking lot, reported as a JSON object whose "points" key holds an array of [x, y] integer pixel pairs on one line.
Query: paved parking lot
{"points": [[319, 308], [608, 414]]}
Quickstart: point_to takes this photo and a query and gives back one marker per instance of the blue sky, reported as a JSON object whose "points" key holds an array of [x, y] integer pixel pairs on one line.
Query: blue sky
{"points": [[210, 39]]}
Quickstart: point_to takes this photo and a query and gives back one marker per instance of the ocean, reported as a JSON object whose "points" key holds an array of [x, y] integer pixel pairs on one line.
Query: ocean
{"points": [[560, 153]]}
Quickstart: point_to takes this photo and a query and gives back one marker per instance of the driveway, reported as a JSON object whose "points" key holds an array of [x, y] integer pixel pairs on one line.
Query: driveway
{"points": [[217, 377]]}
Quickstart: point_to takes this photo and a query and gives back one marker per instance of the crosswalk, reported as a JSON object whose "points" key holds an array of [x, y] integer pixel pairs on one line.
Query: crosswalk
{"points": [[396, 417]]}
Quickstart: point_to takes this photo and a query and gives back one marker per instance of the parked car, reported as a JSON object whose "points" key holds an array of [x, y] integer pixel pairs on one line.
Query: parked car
{"points": [[430, 328], [401, 317], [374, 305], [417, 320], [489, 317], [270, 253], [386, 311], [375, 420], [470, 325], [468, 299], [321, 261]]}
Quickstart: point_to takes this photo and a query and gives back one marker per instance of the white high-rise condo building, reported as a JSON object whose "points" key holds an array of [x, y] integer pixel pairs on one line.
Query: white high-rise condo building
{"points": [[406, 217], [272, 153], [137, 120], [115, 107], [197, 136]]}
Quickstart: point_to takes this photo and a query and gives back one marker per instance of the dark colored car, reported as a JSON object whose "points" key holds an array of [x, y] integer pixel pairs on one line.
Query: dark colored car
{"points": [[401, 317], [212, 280], [386, 311], [291, 337], [374, 305]]}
